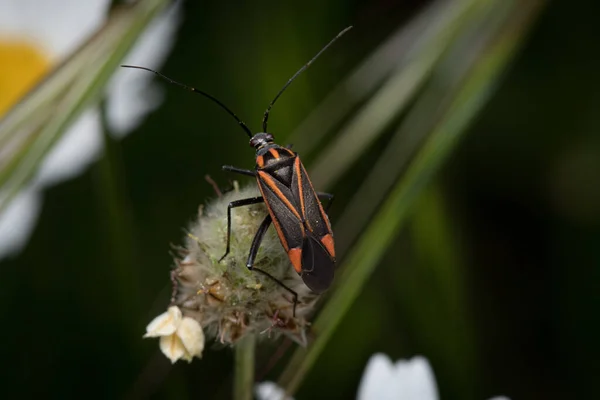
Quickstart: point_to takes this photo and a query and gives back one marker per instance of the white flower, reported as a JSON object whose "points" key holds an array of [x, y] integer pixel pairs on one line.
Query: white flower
{"points": [[382, 380], [406, 379], [35, 36], [180, 337], [270, 391]]}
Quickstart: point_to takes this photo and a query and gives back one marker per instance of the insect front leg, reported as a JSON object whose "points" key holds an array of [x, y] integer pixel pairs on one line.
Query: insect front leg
{"points": [[234, 204], [240, 171]]}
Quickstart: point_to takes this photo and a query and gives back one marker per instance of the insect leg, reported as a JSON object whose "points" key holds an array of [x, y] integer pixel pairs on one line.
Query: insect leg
{"points": [[257, 241], [277, 281], [254, 251], [240, 171], [327, 196], [234, 204]]}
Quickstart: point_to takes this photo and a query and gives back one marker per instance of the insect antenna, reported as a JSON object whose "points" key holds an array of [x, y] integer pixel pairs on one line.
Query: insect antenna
{"points": [[193, 89], [266, 116]]}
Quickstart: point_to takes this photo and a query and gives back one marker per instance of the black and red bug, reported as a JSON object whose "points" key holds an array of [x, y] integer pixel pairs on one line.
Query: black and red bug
{"points": [[293, 204]]}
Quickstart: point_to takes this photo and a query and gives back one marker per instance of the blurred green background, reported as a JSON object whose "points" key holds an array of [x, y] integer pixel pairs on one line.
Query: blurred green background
{"points": [[494, 276]]}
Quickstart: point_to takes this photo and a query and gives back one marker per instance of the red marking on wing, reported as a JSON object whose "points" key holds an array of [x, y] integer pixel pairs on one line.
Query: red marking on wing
{"points": [[327, 241], [295, 256], [300, 192], [274, 153], [276, 223], [321, 210]]}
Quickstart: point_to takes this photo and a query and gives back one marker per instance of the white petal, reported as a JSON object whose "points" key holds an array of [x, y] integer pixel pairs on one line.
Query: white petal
{"points": [[270, 391], [80, 145], [414, 380], [406, 380], [76, 149], [172, 347], [191, 335], [18, 220], [376, 379], [132, 94], [59, 26], [186, 356], [499, 398], [165, 324]]}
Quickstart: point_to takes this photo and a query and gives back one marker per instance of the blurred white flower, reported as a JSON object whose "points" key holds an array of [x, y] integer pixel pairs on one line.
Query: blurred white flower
{"points": [[270, 391], [406, 379], [180, 337], [382, 380], [35, 36]]}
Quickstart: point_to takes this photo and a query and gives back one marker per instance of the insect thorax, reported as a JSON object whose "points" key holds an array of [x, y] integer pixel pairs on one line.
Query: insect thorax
{"points": [[277, 161]]}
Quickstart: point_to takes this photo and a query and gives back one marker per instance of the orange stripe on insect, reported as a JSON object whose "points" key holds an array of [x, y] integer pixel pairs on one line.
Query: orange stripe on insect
{"points": [[280, 234], [300, 192], [260, 161], [323, 214], [327, 241], [271, 184], [274, 153], [276, 223], [295, 256]]}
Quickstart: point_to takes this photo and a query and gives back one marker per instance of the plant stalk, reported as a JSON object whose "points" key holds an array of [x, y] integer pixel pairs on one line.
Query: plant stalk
{"points": [[243, 383]]}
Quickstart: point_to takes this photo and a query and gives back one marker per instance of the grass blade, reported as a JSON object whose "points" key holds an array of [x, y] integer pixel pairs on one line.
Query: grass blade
{"points": [[395, 71], [443, 137]]}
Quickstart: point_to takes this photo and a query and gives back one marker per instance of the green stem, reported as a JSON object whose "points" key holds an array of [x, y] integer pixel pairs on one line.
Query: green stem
{"points": [[244, 368]]}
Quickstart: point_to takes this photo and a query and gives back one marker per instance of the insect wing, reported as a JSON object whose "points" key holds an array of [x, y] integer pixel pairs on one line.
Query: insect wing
{"points": [[317, 265], [302, 225], [310, 207], [286, 218]]}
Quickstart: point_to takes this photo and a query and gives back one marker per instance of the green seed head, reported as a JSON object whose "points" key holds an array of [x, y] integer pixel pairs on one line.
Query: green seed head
{"points": [[228, 300]]}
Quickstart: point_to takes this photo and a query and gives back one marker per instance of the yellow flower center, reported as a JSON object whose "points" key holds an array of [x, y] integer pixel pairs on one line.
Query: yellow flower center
{"points": [[22, 65]]}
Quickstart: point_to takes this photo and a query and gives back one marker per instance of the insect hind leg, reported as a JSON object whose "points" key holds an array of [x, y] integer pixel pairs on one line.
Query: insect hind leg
{"points": [[262, 229], [277, 281]]}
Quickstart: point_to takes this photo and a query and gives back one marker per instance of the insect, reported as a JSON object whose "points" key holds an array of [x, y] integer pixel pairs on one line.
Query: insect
{"points": [[293, 204]]}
